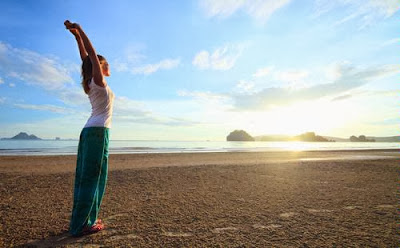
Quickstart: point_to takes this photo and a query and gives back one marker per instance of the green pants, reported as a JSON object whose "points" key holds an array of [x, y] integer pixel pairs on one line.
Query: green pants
{"points": [[90, 177]]}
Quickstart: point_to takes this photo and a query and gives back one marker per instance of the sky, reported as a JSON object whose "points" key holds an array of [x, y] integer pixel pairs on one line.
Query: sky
{"points": [[199, 69]]}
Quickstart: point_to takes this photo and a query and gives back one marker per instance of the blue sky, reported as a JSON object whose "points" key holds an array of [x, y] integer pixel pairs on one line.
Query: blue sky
{"points": [[196, 70]]}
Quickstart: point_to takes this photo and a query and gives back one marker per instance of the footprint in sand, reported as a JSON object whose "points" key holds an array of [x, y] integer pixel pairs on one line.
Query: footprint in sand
{"points": [[287, 215], [176, 234], [319, 210], [111, 218], [224, 229], [122, 237], [82, 246], [385, 206], [351, 207], [109, 231], [268, 227]]}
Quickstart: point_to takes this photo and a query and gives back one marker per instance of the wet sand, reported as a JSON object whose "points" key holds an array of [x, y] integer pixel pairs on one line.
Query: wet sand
{"points": [[253, 199]]}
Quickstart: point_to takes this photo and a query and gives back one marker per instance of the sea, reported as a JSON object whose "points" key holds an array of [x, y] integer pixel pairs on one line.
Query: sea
{"points": [[69, 147]]}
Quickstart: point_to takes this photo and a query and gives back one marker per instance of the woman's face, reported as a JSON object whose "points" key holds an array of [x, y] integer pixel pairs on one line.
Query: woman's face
{"points": [[105, 69]]}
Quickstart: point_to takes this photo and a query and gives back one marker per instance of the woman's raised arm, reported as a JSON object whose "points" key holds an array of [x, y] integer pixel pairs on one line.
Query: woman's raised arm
{"points": [[96, 67], [82, 50]]}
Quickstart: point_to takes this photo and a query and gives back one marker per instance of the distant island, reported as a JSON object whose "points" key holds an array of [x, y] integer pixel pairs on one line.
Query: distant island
{"points": [[239, 135], [360, 138], [312, 137], [23, 136], [306, 137]]}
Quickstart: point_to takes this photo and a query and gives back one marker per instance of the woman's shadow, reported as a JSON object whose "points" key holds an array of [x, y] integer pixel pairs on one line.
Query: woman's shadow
{"points": [[59, 240]]}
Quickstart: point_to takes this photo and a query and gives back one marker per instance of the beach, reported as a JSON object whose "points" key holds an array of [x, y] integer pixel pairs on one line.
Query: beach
{"points": [[226, 199]]}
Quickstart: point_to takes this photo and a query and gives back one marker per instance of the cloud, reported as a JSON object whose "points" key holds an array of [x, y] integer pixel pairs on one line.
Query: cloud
{"points": [[132, 60], [347, 77], [367, 12], [263, 9], [42, 71], [205, 96], [222, 58], [124, 106], [259, 10], [245, 87], [45, 107], [73, 96], [262, 72], [390, 42], [33, 68], [130, 111], [342, 97], [165, 64], [1, 81], [292, 75]]}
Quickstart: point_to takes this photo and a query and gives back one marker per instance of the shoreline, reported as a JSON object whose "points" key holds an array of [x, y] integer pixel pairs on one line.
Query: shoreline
{"points": [[238, 150], [48, 164], [140, 147]]}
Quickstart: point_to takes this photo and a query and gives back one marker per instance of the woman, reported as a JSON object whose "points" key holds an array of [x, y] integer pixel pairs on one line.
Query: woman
{"points": [[92, 161]]}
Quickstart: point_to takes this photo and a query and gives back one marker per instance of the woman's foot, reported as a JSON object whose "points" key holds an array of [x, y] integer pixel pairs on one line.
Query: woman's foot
{"points": [[96, 227]]}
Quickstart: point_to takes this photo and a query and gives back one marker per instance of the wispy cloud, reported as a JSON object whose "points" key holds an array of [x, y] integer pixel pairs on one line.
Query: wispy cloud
{"points": [[246, 87], [206, 96], [262, 72], [390, 42], [342, 97], [33, 68], [41, 71], [289, 75], [44, 107], [347, 78], [292, 76], [366, 12], [165, 64], [222, 58], [221, 8], [260, 10], [133, 60], [130, 111]]}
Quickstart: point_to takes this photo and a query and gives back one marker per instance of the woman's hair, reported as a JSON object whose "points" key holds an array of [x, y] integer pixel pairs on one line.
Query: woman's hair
{"points": [[87, 72]]}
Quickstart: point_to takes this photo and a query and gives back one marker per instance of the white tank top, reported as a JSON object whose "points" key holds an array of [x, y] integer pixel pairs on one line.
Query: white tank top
{"points": [[101, 99]]}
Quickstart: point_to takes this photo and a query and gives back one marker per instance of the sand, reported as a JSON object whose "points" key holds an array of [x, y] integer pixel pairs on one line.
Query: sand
{"points": [[253, 199]]}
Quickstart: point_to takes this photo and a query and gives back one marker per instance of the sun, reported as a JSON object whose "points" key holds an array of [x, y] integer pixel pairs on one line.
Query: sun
{"points": [[317, 116]]}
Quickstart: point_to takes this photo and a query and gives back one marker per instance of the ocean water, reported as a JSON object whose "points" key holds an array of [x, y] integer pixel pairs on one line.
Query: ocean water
{"points": [[69, 147]]}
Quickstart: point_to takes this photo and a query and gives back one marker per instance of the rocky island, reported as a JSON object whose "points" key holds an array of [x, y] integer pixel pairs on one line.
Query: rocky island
{"points": [[23, 136], [361, 138], [239, 135]]}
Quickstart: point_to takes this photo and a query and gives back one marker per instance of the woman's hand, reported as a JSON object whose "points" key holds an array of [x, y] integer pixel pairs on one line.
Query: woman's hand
{"points": [[72, 27], [69, 25], [74, 31]]}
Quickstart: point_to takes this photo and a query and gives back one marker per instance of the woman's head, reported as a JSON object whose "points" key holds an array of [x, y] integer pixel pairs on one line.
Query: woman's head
{"points": [[87, 71]]}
